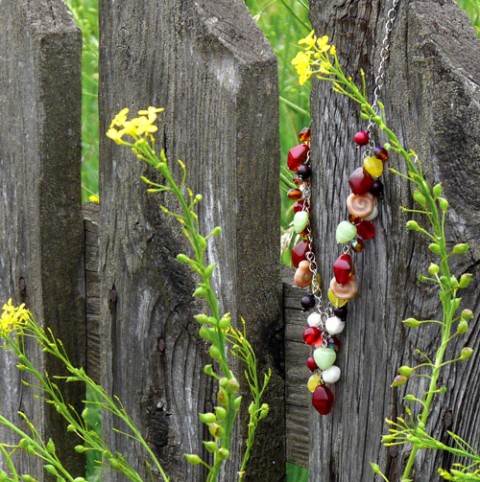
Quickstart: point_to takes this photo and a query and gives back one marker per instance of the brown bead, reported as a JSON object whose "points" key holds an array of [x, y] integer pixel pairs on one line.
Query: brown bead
{"points": [[304, 135], [295, 194]]}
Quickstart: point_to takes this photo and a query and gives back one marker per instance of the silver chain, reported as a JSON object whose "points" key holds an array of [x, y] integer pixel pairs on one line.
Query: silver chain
{"points": [[384, 52]]}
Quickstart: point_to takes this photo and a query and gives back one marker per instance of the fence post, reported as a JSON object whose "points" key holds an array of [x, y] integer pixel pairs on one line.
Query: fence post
{"points": [[208, 65], [41, 235], [433, 104]]}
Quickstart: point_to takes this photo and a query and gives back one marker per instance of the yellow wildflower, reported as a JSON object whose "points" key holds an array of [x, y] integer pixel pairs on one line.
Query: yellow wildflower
{"points": [[116, 135], [93, 198], [309, 40], [151, 110], [120, 118], [13, 318], [323, 45], [302, 64]]}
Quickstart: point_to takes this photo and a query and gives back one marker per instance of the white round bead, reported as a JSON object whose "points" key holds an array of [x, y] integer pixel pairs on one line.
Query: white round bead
{"points": [[373, 215], [334, 325], [331, 375], [315, 319]]}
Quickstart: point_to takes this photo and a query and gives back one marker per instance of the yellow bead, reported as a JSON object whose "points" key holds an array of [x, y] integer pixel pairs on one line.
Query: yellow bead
{"points": [[373, 166], [313, 382], [337, 302]]}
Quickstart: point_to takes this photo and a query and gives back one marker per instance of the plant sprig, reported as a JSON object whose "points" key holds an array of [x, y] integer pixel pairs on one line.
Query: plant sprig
{"points": [[318, 58]]}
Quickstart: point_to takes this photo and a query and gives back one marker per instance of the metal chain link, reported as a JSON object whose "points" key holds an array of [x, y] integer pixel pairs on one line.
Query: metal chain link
{"points": [[384, 52]]}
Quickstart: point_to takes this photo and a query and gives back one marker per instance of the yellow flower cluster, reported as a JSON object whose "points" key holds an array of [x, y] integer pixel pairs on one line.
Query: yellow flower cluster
{"points": [[315, 58], [13, 318], [136, 128]]}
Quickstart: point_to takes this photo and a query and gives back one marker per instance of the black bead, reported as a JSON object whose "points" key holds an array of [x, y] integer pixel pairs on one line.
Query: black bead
{"points": [[304, 171], [341, 312], [308, 302], [377, 188]]}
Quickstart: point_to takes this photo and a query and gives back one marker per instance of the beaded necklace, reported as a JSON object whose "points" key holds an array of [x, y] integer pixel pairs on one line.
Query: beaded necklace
{"points": [[327, 320]]}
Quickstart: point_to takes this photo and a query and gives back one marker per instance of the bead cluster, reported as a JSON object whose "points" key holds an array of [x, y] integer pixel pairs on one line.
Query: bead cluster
{"points": [[328, 320]]}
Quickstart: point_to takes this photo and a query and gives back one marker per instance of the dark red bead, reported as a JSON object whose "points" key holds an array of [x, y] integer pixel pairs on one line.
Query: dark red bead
{"points": [[377, 188], [362, 138], [299, 253], [311, 363], [298, 206], [297, 156], [360, 181], [381, 153], [304, 171], [307, 302], [366, 230], [297, 180], [343, 268], [304, 135], [341, 312], [323, 399], [312, 335]]}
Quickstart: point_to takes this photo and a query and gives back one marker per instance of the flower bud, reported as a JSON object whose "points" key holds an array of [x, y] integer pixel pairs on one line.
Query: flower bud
{"points": [[50, 469], [211, 446], [223, 453], [80, 449], [466, 353], [460, 248], [405, 370], [411, 322], [264, 409], [465, 280], [237, 403], [467, 314], [217, 231], [193, 459], [207, 417], [208, 370], [434, 248], [443, 203], [433, 269], [398, 381], [375, 468], [419, 198], [462, 327], [201, 318], [221, 413], [437, 189], [412, 225], [214, 353]]}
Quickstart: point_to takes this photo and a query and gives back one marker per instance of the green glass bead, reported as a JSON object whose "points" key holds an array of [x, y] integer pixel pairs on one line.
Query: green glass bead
{"points": [[346, 231], [324, 357], [300, 221]]}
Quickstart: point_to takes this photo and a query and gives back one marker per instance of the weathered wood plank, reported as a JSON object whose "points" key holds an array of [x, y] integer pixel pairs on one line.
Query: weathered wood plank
{"points": [[208, 64], [92, 291], [41, 235], [297, 399], [432, 99]]}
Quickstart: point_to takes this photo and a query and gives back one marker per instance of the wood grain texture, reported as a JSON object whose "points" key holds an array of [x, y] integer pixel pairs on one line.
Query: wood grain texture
{"points": [[297, 397], [41, 236], [432, 98], [208, 65]]}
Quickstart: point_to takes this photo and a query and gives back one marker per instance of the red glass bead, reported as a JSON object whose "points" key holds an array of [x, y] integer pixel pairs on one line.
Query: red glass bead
{"points": [[298, 206], [299, 253], [304, 135], [366, 230], [343, 268], [294, 194], [297, 156], [312, 335], [311, 364], [360, 181], [381, 153], [358, 245], [322, 399], [362, 138]]}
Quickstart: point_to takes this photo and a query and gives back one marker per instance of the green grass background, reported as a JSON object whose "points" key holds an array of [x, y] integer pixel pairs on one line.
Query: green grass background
{"points": [[283, 23]]}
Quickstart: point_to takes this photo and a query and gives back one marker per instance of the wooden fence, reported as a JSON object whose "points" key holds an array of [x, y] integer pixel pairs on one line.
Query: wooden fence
{"points": [[107, 282]]}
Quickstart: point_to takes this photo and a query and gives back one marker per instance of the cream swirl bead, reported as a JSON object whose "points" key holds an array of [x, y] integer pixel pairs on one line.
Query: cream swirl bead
{"points": [[334, 325], [303, 276], [361, 205], [332, 374], [346, 291]]}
